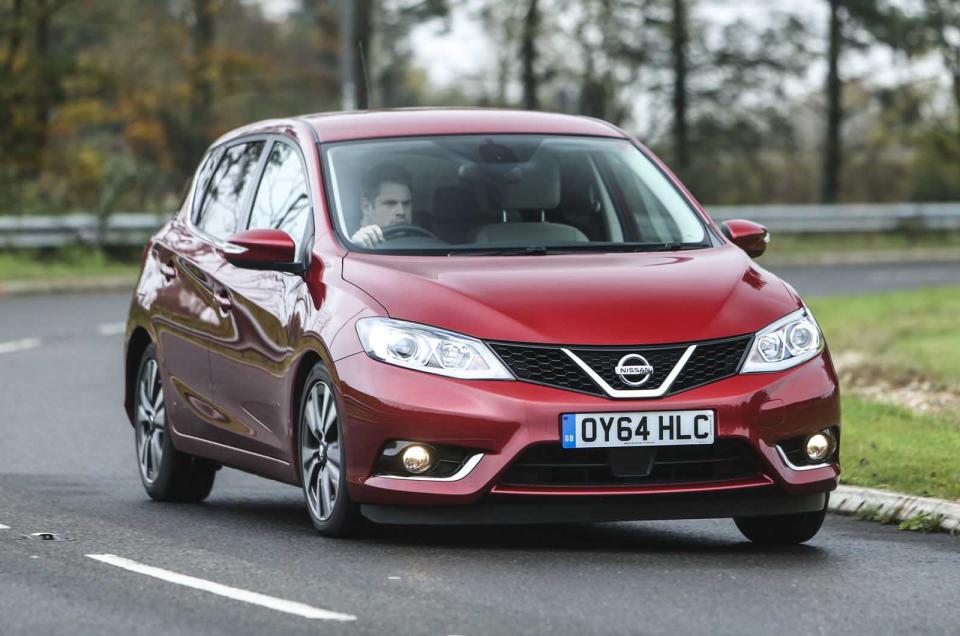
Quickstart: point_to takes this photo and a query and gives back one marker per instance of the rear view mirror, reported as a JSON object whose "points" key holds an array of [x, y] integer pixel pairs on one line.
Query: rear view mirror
{"points": [[751, 237], [263, 249]]}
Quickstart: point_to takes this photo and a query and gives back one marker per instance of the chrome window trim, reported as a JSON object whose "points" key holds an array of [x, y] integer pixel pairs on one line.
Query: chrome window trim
{"points": [[793, 466], [633, 393], [465, 470]]}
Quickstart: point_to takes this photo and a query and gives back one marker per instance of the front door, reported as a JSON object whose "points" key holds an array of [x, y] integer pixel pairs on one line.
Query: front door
{"points": [[250, 375]]}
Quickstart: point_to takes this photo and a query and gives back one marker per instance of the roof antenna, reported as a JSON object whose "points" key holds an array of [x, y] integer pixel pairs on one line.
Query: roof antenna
{"points": [[366, 79]]}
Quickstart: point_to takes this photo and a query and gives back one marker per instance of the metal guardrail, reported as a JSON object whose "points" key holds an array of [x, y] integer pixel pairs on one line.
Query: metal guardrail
{"points": [[845, 219], [126, 229], [129, 229]]}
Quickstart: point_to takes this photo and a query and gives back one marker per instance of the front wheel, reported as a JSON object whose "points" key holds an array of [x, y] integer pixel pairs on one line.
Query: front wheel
{"points": [[782, 529], [166, 473], [323, 458]]}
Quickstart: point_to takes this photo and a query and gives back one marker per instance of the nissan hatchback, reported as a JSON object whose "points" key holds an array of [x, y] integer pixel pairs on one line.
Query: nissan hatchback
{"points": [[474, 317]]}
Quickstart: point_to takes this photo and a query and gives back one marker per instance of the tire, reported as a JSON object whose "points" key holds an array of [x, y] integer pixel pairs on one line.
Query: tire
{"points": [[782, 529], [323, 458], [166, 473]]}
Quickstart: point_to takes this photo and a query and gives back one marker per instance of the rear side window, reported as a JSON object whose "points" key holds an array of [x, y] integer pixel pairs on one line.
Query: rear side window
{"points": [[219, 214], [202, 180], [282, 202]]}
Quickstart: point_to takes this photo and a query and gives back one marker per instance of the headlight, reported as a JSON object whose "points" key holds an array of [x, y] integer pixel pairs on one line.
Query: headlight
{"points": [[786, 343], [407, 344]]}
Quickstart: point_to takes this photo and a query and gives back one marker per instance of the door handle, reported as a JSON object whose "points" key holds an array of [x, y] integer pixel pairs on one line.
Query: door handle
{"points": [[222, 298], [167, 270]]}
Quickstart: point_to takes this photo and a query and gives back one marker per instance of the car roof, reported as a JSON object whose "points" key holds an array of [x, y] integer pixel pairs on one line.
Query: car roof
{"points": [[371, 124]]}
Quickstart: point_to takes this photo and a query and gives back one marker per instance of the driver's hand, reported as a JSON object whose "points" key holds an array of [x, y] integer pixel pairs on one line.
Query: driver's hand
{"points": [[368, 236]]}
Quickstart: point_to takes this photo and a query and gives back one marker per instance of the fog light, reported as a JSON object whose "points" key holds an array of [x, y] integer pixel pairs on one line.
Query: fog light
{"points": [[417, 459], [819, 446]]}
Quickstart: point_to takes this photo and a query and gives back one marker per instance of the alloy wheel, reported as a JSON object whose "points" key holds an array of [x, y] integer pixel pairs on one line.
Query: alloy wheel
{"points": [[151, 422], [320, 451]]}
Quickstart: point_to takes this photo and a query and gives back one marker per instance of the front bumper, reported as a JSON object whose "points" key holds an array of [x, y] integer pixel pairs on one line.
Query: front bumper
{"points": [[502, 418]]}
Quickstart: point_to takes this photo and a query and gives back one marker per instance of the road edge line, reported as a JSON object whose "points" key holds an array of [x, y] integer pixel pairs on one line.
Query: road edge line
{"points": [[23, 344], [235, 593]]}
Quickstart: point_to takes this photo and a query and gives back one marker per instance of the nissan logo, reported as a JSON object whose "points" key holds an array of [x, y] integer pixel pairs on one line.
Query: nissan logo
{"points": [[634, 369]]}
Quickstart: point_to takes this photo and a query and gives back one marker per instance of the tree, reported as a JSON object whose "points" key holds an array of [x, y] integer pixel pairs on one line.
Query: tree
{"points": [[940, 26], [31, 68], [678, 49], [528, 56], [201, 73], [831, 145], [852, 24], [614, 38], [396, 83]]}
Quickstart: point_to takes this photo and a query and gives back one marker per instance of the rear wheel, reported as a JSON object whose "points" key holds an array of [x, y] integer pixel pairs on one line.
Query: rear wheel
{"points": [[782, 529], [166, 473], [322, 458]]}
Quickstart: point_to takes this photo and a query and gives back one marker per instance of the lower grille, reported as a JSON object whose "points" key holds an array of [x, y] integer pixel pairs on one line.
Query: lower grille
{"points": [[552, 465]]}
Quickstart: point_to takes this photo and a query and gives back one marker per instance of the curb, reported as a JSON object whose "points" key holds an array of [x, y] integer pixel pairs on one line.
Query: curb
{"points": [[118, 283], [848, 500]]}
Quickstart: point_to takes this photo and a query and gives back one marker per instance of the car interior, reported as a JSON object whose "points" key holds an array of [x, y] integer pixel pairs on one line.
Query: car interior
{"points": [[558, 194]]}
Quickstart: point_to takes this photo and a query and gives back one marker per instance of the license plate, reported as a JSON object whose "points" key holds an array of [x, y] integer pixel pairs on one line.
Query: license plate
{"points": [[644, 428]]}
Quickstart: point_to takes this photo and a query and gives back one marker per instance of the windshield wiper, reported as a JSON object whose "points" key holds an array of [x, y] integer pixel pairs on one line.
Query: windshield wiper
{"points": [[666, 247], [540, 250], [530, 250]]}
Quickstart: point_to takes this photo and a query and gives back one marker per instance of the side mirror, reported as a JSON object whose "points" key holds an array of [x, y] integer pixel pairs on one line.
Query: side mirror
{"points": [[263, 249], [751, 237]]}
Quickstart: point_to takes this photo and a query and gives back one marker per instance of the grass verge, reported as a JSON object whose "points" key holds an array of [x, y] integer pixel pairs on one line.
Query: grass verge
{"points": [[906, 334], [885, 446], [65, 263]]}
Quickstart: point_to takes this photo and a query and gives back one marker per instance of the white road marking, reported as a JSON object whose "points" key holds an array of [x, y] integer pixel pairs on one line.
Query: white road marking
{"points": [[3, 527], [270, 602], [394, 578], [111, 328], [19, 345]]}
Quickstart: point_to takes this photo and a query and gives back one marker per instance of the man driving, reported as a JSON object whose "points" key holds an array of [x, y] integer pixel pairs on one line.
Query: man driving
{"points": [[385, 199]]}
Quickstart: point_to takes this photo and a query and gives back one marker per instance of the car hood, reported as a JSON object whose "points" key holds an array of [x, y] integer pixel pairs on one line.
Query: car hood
{"points": [[587, 299]]}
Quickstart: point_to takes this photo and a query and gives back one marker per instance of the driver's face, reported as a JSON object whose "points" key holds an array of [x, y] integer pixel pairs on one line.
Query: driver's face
{"points": [[393, 205]]}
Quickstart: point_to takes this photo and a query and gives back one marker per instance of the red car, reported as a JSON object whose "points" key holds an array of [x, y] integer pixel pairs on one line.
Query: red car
{"points": [[475, 317]]}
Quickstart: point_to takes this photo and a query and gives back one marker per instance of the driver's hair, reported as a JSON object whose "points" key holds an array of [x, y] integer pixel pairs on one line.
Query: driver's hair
{"points": [[384, 173]]}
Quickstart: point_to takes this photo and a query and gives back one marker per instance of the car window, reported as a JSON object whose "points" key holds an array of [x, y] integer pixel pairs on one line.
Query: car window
{"points": [[490, 194], [220, 212], [282, 202], [201, 181]]}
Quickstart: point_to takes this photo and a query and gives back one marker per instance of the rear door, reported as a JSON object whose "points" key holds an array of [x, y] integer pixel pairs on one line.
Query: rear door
{"points": [[250, 375], [177, 310], [205, 321]]}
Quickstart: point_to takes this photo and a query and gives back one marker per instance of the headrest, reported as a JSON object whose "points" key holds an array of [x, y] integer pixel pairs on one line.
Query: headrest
{"points": [[526, 185]]}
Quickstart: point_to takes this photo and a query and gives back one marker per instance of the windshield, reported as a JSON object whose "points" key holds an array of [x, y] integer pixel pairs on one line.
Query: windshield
{"points": [[502, 194]]}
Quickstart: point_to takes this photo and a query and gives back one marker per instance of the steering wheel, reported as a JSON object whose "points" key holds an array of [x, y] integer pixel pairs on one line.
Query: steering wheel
{"points": [[407, 229]]}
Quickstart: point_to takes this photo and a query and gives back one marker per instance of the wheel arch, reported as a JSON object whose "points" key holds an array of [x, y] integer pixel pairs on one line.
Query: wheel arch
{"points": [[308, 360], [136, 345]]}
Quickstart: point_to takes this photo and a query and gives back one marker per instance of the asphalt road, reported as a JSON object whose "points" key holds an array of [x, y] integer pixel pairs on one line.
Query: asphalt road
{"points": [[830, 280], [67, 466]]}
